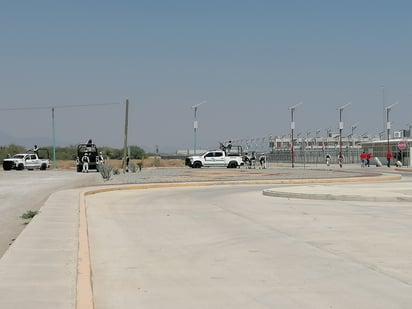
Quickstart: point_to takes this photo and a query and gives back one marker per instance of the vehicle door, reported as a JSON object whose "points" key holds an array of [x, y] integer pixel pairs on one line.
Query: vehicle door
{"points": [[220, 158], [209, 158], [31, 161]]}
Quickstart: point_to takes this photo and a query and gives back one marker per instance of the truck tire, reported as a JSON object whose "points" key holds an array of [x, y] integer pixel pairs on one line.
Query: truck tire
{"points": [[232, 164], [197, 164], [20, 167], [7, 166], [43, 167]]}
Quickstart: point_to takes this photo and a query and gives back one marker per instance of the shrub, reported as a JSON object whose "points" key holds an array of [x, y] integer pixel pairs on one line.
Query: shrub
{"points": [[29, 214], [106, 171]]}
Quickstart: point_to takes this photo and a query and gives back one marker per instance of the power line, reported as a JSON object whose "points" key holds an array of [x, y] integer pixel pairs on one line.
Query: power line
{"points": [[57, 106], [52, 108]]}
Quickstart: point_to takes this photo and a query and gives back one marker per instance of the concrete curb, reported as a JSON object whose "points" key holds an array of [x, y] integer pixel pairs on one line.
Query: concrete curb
{"points": [[341, 197], [334, 197]]}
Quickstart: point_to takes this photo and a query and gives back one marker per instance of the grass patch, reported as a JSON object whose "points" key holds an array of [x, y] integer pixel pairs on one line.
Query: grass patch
{"points": [[29, 214]]}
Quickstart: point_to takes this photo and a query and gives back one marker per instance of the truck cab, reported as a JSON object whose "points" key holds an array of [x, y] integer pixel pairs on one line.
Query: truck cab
{"points": [[215, 158]]}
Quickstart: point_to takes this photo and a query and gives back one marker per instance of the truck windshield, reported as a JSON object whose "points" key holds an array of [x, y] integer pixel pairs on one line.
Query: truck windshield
{"points": [[18, 156]]}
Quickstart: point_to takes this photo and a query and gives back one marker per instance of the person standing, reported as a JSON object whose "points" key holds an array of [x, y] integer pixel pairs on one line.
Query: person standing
{"points": [[340, 159], [228, 147], [85, 161], [101, 158], [327, 159], [363, 157], [262, 160], [127, 163], [388, 158], [368, 159]]}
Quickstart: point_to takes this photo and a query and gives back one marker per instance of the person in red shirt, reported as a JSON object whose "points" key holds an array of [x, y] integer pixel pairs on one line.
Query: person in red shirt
{"points": [[388, 158], [368, 159], [363, 159]]}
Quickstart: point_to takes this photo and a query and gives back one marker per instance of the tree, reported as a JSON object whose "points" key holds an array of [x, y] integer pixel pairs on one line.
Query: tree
{"points": [[136, 152]]}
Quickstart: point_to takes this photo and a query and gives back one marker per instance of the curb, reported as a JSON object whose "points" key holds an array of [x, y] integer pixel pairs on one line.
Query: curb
{"points": [[335, 197], [341, 197]]}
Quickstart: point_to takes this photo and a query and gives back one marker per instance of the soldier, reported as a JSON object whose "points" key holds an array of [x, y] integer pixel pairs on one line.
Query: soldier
{"points": [[327, 159], [262, 160], [85, 161], [101, 158]]}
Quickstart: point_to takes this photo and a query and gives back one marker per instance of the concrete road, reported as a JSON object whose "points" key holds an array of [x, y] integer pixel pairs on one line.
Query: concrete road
{"points": [[21, 191], [233, 247]]}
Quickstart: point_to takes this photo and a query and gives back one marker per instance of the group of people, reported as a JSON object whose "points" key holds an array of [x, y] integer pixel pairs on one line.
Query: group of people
{"points": [[86, 160], [397, 159], [365, 159], [250, 161], [328, 159]]}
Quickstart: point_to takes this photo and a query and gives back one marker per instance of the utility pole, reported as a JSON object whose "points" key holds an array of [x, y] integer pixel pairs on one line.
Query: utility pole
{"points": [[126, 121], [54, 140]]}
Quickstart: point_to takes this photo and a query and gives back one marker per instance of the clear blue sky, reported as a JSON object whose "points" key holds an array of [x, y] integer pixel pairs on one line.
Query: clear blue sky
{"points": [[250, 60]]}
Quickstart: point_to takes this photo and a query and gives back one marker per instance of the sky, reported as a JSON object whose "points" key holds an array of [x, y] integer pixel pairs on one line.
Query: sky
{"points": [[249, 60]]}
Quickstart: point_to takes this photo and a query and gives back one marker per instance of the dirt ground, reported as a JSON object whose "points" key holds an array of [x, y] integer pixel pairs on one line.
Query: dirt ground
{"points": [[148, 162]]}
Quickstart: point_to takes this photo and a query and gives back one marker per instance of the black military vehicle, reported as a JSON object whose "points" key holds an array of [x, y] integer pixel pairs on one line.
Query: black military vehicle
{"points": [[89, 149]]}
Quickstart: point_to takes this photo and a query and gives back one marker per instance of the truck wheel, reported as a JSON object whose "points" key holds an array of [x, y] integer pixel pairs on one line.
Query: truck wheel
{"points": [[6, 166], [20, 167], [43, 167], [232, 164], [197, 164]]}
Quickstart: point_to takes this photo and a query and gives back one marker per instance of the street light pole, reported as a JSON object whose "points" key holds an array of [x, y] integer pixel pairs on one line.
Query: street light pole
{"points": [[195, 107], [388, 123], [340, 132], [353, 127], [292, 127]]}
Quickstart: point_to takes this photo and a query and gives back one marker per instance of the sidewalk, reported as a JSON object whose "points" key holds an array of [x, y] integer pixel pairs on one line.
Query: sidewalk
{"points": [[39, 271]]}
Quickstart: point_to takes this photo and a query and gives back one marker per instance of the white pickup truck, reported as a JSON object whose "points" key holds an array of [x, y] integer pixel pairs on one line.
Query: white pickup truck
{"points": [[214, 158], [23, 161]]}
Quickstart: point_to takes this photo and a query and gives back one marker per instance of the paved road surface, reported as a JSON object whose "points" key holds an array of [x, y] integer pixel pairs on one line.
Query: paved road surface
{"points": [[313, 254], [232, 247]]}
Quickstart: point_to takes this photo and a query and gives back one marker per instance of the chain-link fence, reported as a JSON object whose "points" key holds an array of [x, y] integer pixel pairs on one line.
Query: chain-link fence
{"points": [[314, 156]]}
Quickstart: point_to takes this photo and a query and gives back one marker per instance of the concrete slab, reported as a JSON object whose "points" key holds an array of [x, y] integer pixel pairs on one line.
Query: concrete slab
{"points": [[232, 247], [40, 268], [397, 192]]}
